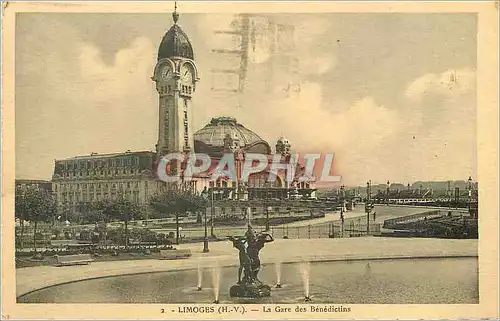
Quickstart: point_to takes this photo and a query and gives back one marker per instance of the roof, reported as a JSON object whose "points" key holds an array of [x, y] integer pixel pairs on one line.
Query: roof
{"points": [[96, 155], [32, 181], [175, 43], [213, 134]]}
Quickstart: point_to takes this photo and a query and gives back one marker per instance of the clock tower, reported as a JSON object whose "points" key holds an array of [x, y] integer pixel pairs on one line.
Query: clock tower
{"points": [[175, 76]]}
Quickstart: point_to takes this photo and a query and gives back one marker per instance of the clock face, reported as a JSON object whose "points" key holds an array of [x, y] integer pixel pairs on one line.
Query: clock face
{"points": [[165, 72], [186, 75]]}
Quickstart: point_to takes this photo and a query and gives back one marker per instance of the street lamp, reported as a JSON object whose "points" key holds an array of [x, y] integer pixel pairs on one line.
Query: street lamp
{"points": [[387, 195], [342, 208], [449, 196], [204, 194], [267, 206], [368, 206], [469, 186], [212, 211]]}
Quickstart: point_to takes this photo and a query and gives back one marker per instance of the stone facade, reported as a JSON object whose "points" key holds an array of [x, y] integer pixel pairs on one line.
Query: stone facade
{"points": [[42, 184], [85, 179]]}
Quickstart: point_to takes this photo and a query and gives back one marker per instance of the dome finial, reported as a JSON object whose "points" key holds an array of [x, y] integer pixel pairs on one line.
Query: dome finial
{"points": [[175, 15]]}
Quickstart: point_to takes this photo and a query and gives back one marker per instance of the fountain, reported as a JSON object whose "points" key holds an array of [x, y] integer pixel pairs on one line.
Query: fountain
{"points": [[200, 277], [249, 247], [216, 283], [305, 272], [277, 266]]}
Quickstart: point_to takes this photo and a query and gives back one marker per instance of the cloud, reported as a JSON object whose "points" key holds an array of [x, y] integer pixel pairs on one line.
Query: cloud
{"points": [[87, 104], [451, 83], [127, 75]]}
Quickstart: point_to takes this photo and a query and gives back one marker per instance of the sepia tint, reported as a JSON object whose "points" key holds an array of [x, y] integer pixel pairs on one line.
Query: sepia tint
{"points": [[223, 164]]}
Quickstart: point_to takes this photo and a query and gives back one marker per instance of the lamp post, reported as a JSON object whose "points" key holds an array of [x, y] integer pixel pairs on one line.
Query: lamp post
{"points": [[204, 194], [469, 187], [267, 206], [368, 206], [212, 211], [342, 209], [387, 193], [449, 196]]}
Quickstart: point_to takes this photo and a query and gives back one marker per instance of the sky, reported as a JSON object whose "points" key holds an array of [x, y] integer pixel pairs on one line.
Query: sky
{"points": [[392, 95]]}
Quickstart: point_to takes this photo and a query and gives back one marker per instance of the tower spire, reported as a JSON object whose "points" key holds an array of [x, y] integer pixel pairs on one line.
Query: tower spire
{"points": [[175, 15]]}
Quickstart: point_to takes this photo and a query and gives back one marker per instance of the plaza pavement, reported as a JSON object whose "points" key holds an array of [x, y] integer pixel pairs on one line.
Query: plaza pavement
{"points": [[223, 254]]}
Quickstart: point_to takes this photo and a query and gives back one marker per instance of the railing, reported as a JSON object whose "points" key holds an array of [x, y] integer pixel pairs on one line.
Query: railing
{"points": [[394, 222], [329, 230]]}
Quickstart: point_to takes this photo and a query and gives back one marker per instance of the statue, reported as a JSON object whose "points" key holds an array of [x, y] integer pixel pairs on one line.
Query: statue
{"points": [[253, 252], [245, 264], [249, 247]]}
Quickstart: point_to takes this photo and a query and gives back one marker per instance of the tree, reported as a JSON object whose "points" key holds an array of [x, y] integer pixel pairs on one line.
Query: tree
{"points": [[100, 212], [120, 209], [177, 201], [35, 205]]}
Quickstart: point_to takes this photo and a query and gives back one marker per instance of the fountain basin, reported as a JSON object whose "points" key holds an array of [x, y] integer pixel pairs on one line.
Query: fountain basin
{"points": [[404, 281]]}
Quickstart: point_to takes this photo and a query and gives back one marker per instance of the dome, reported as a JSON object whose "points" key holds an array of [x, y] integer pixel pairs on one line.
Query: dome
{"points": [[283, 140], [213, 134], [175, 43]]}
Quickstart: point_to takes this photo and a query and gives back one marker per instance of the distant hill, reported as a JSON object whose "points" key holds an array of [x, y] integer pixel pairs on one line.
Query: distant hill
{"points": [[434, 185]]}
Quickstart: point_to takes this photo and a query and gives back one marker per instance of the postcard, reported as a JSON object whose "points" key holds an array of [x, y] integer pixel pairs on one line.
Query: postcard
{"points": [[250, 160]]}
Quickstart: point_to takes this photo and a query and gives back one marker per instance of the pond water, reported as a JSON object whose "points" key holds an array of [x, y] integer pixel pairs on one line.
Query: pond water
{"points": [[406, 281]]}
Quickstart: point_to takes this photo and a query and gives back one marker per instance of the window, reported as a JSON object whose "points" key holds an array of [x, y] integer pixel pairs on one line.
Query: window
{"points": [[128, 184]]}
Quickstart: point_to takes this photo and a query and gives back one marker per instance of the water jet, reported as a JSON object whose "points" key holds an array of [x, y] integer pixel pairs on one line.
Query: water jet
{"points": [[277, 267], [305, 272], [216, 282], [200, 276]]}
